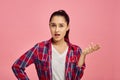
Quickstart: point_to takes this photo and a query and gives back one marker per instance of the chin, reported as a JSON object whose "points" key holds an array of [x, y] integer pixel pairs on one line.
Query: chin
{"points": [[57, 39]]}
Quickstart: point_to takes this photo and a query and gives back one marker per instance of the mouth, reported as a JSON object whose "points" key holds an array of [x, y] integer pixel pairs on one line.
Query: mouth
{"points": [[57, 35]]}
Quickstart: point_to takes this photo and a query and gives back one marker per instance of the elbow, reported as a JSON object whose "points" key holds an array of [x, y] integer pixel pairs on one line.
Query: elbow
{"points": [[13, 67]]}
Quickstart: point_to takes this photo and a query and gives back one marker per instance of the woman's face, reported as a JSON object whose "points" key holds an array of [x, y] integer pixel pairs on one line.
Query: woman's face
{"points": [[58, 27]]}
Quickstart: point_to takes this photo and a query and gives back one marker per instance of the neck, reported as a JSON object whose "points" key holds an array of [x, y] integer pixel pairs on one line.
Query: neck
{"points": [[60, 42]]}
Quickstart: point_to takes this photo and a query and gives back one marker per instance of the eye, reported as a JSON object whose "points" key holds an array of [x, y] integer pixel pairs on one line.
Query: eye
{"points": [[52, 25], [61, 25]]}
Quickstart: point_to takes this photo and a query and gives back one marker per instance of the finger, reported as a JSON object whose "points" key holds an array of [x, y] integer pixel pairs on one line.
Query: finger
{"points": [[96, 47], [92, 46]]}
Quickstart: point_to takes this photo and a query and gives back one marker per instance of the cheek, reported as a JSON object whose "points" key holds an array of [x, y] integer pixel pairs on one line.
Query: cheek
{"points": [[52, 31], [64, 31]]}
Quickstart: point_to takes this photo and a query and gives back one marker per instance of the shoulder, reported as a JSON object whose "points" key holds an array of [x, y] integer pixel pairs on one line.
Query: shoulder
{"points": [[76, 47], [43, 43]]}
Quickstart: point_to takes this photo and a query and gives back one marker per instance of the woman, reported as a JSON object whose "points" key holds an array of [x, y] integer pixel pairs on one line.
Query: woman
{"points": [[57, 58]]}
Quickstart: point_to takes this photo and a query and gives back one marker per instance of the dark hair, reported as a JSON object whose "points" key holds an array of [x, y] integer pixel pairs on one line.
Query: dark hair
{"points": [[65, 15]]}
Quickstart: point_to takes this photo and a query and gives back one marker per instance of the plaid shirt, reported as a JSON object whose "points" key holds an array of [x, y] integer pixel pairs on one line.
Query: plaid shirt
{"points": [[41, 56]]}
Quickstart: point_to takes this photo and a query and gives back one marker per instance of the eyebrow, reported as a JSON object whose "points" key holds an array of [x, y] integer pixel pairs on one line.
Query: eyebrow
{"points": [[59, 23]]}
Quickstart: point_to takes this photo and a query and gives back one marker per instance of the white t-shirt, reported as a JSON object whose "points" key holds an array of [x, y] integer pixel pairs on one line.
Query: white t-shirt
{"points": [[58, 64]]}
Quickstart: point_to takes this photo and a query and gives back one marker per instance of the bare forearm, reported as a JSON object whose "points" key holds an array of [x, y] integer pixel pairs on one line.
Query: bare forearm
{"points": [[81, 60], [86, 51]]}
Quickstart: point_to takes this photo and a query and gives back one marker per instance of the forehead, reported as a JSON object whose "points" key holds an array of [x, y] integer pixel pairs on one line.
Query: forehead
{"points": [[58, 19]]}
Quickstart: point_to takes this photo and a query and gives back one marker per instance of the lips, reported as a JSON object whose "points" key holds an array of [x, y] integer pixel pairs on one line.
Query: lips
{"points": [[57, 34]]}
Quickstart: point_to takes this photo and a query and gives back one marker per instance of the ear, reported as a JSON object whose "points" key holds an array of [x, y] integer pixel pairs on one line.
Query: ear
{"points": [[68, 27]]}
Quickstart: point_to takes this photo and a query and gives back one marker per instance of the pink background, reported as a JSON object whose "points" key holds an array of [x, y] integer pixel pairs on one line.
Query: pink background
{"points": [[23, 23]]}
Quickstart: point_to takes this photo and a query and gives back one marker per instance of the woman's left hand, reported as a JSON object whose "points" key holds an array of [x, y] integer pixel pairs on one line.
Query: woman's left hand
{"points": [[91, 48]]}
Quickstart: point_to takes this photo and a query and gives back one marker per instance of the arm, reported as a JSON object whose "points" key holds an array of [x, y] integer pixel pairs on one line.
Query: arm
{"points": [[88, 50], [81, 61], [25, 60]]}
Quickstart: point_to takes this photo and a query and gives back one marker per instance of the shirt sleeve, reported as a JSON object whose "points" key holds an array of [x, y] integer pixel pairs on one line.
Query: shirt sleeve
{"points": [[79, 70], [25, 60]]}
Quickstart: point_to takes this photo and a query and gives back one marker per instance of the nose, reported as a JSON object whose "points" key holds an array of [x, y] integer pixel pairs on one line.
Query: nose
{"points": [[57, 29]]}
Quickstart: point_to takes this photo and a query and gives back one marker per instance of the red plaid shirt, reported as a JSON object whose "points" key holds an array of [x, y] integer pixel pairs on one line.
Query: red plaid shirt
{"points": [[41, 56]]}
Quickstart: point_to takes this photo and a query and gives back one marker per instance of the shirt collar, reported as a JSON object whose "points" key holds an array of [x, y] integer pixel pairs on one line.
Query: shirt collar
{"points": [[49, 42]]}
